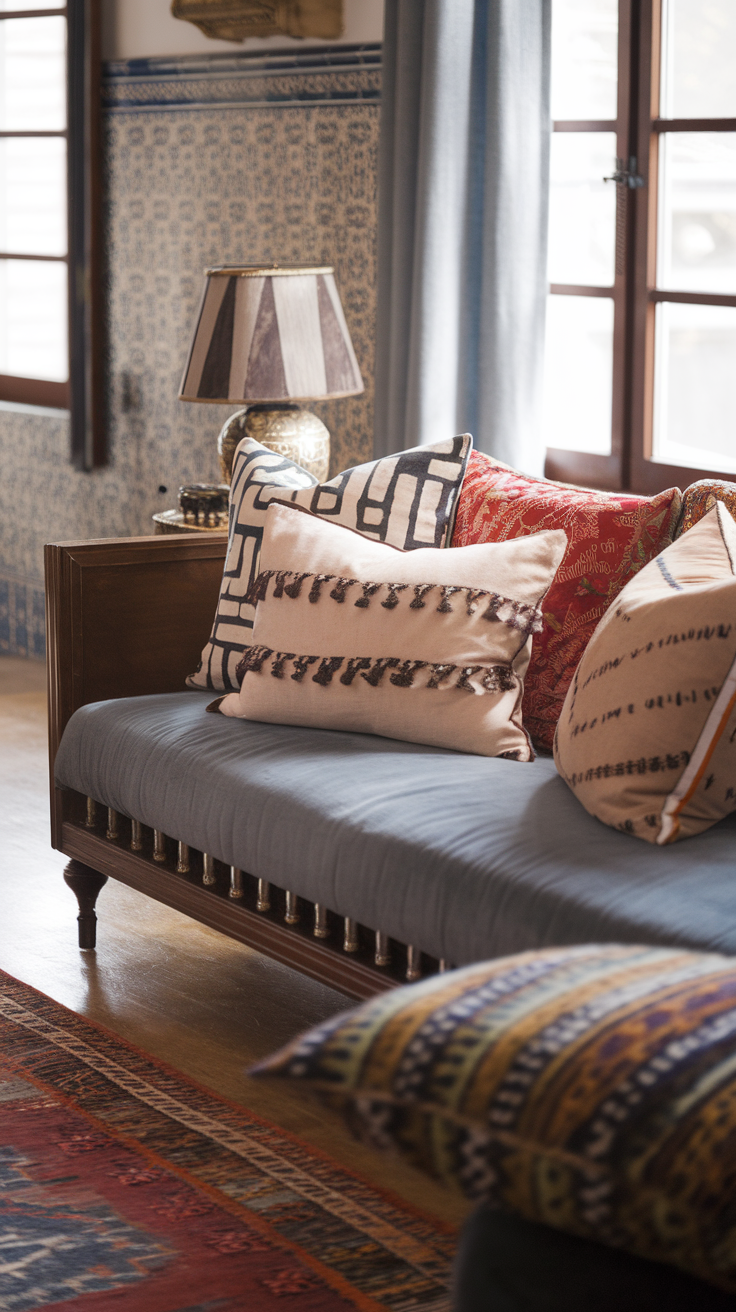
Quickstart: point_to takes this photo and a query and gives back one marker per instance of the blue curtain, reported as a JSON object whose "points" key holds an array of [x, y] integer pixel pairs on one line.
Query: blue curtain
{"points": [[462, 231]]}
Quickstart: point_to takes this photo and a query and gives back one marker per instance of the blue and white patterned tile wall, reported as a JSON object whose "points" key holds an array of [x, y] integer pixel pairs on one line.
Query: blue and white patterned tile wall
{"points": [[216, 160]]}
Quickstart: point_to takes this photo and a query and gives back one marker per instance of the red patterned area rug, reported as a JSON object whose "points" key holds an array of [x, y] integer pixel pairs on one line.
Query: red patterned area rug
{"points": [[125, 1187]]}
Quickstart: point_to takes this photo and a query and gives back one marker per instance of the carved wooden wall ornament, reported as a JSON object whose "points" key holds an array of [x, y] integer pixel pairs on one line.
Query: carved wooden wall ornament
{"points": [[235, 20]]}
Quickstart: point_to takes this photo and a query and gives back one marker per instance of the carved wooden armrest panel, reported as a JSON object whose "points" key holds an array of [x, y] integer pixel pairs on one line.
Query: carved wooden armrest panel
{"points": [[125, 617]]}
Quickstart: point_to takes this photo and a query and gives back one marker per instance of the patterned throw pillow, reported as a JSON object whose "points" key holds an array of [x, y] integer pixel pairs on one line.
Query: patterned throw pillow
{"points": [[610, 537], [699, 498], [408, 500], [647, 736], [428, 646], [589, 1088]]}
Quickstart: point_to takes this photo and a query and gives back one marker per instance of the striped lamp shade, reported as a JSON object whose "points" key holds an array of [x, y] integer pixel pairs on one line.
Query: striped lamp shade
{"points": [[270, 333]]}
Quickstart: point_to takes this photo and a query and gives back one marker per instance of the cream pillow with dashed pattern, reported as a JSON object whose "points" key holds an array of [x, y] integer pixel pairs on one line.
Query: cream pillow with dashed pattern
{"points": [[647, 735]]}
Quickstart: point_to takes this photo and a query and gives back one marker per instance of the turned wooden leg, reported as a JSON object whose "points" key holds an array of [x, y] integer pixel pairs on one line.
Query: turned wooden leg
{"points": [[85, 883]]}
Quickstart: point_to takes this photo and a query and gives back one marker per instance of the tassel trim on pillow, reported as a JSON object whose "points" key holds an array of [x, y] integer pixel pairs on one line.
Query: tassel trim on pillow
{"points": [[401, 673], [287, 583]]}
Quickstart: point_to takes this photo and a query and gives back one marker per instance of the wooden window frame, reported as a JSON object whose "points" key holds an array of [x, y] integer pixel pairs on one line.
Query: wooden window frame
{"points": [[83, 393], [635, 293]]}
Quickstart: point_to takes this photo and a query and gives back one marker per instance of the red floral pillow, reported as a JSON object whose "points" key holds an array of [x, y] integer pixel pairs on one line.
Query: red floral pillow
{"points": [[610, 535]]}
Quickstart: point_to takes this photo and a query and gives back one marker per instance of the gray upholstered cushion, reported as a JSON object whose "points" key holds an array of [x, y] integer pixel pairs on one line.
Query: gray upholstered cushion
{"points": [[467, 857]]}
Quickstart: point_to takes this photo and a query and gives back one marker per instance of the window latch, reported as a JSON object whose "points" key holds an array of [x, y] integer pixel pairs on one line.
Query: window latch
{"points": [[626, 177]]}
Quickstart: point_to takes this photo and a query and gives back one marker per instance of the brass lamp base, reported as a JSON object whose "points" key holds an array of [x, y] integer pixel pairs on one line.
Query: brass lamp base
{"points": [[284, 428]]}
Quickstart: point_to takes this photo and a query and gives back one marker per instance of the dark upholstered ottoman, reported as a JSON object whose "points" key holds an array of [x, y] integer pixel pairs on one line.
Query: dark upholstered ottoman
{"points": [[507, 1264]]}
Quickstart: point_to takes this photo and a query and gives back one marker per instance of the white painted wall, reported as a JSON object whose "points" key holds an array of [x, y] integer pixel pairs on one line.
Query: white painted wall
{"points": [[136, 29]]}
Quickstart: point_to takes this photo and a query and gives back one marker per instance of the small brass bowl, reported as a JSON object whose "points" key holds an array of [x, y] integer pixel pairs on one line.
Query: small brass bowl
{"points": [[205, 503]]}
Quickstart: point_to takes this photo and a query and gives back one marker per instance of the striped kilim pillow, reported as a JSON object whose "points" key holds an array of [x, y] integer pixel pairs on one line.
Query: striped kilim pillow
{"points": [[589, 1088]]}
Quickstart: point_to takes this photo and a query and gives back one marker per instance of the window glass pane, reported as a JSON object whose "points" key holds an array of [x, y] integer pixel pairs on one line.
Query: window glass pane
{"points": [[32, 74], [579, 373], [29, 4], [698, 59], [33, 320], [33, 195], [695, 398], [584, 58], [582, 209], [697, 212]]}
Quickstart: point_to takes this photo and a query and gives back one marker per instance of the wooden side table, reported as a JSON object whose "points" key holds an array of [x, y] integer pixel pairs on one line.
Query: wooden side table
{"points": [[173, 521]]}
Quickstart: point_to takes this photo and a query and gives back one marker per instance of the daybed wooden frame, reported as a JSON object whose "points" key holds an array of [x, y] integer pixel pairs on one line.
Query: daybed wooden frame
{"points": [[126, 617], [129, 616]]}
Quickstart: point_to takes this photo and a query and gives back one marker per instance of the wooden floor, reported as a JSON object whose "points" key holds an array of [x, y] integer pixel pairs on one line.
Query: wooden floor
{"points": [[186, 994]]}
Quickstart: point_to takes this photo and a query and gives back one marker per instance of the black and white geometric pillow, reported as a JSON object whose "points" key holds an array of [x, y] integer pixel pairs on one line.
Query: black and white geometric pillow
{"points": [[408, 500]]}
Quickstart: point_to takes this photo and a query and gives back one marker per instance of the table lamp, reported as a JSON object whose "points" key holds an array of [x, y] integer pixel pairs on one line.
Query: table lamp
{"points": [[271, 336]]}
